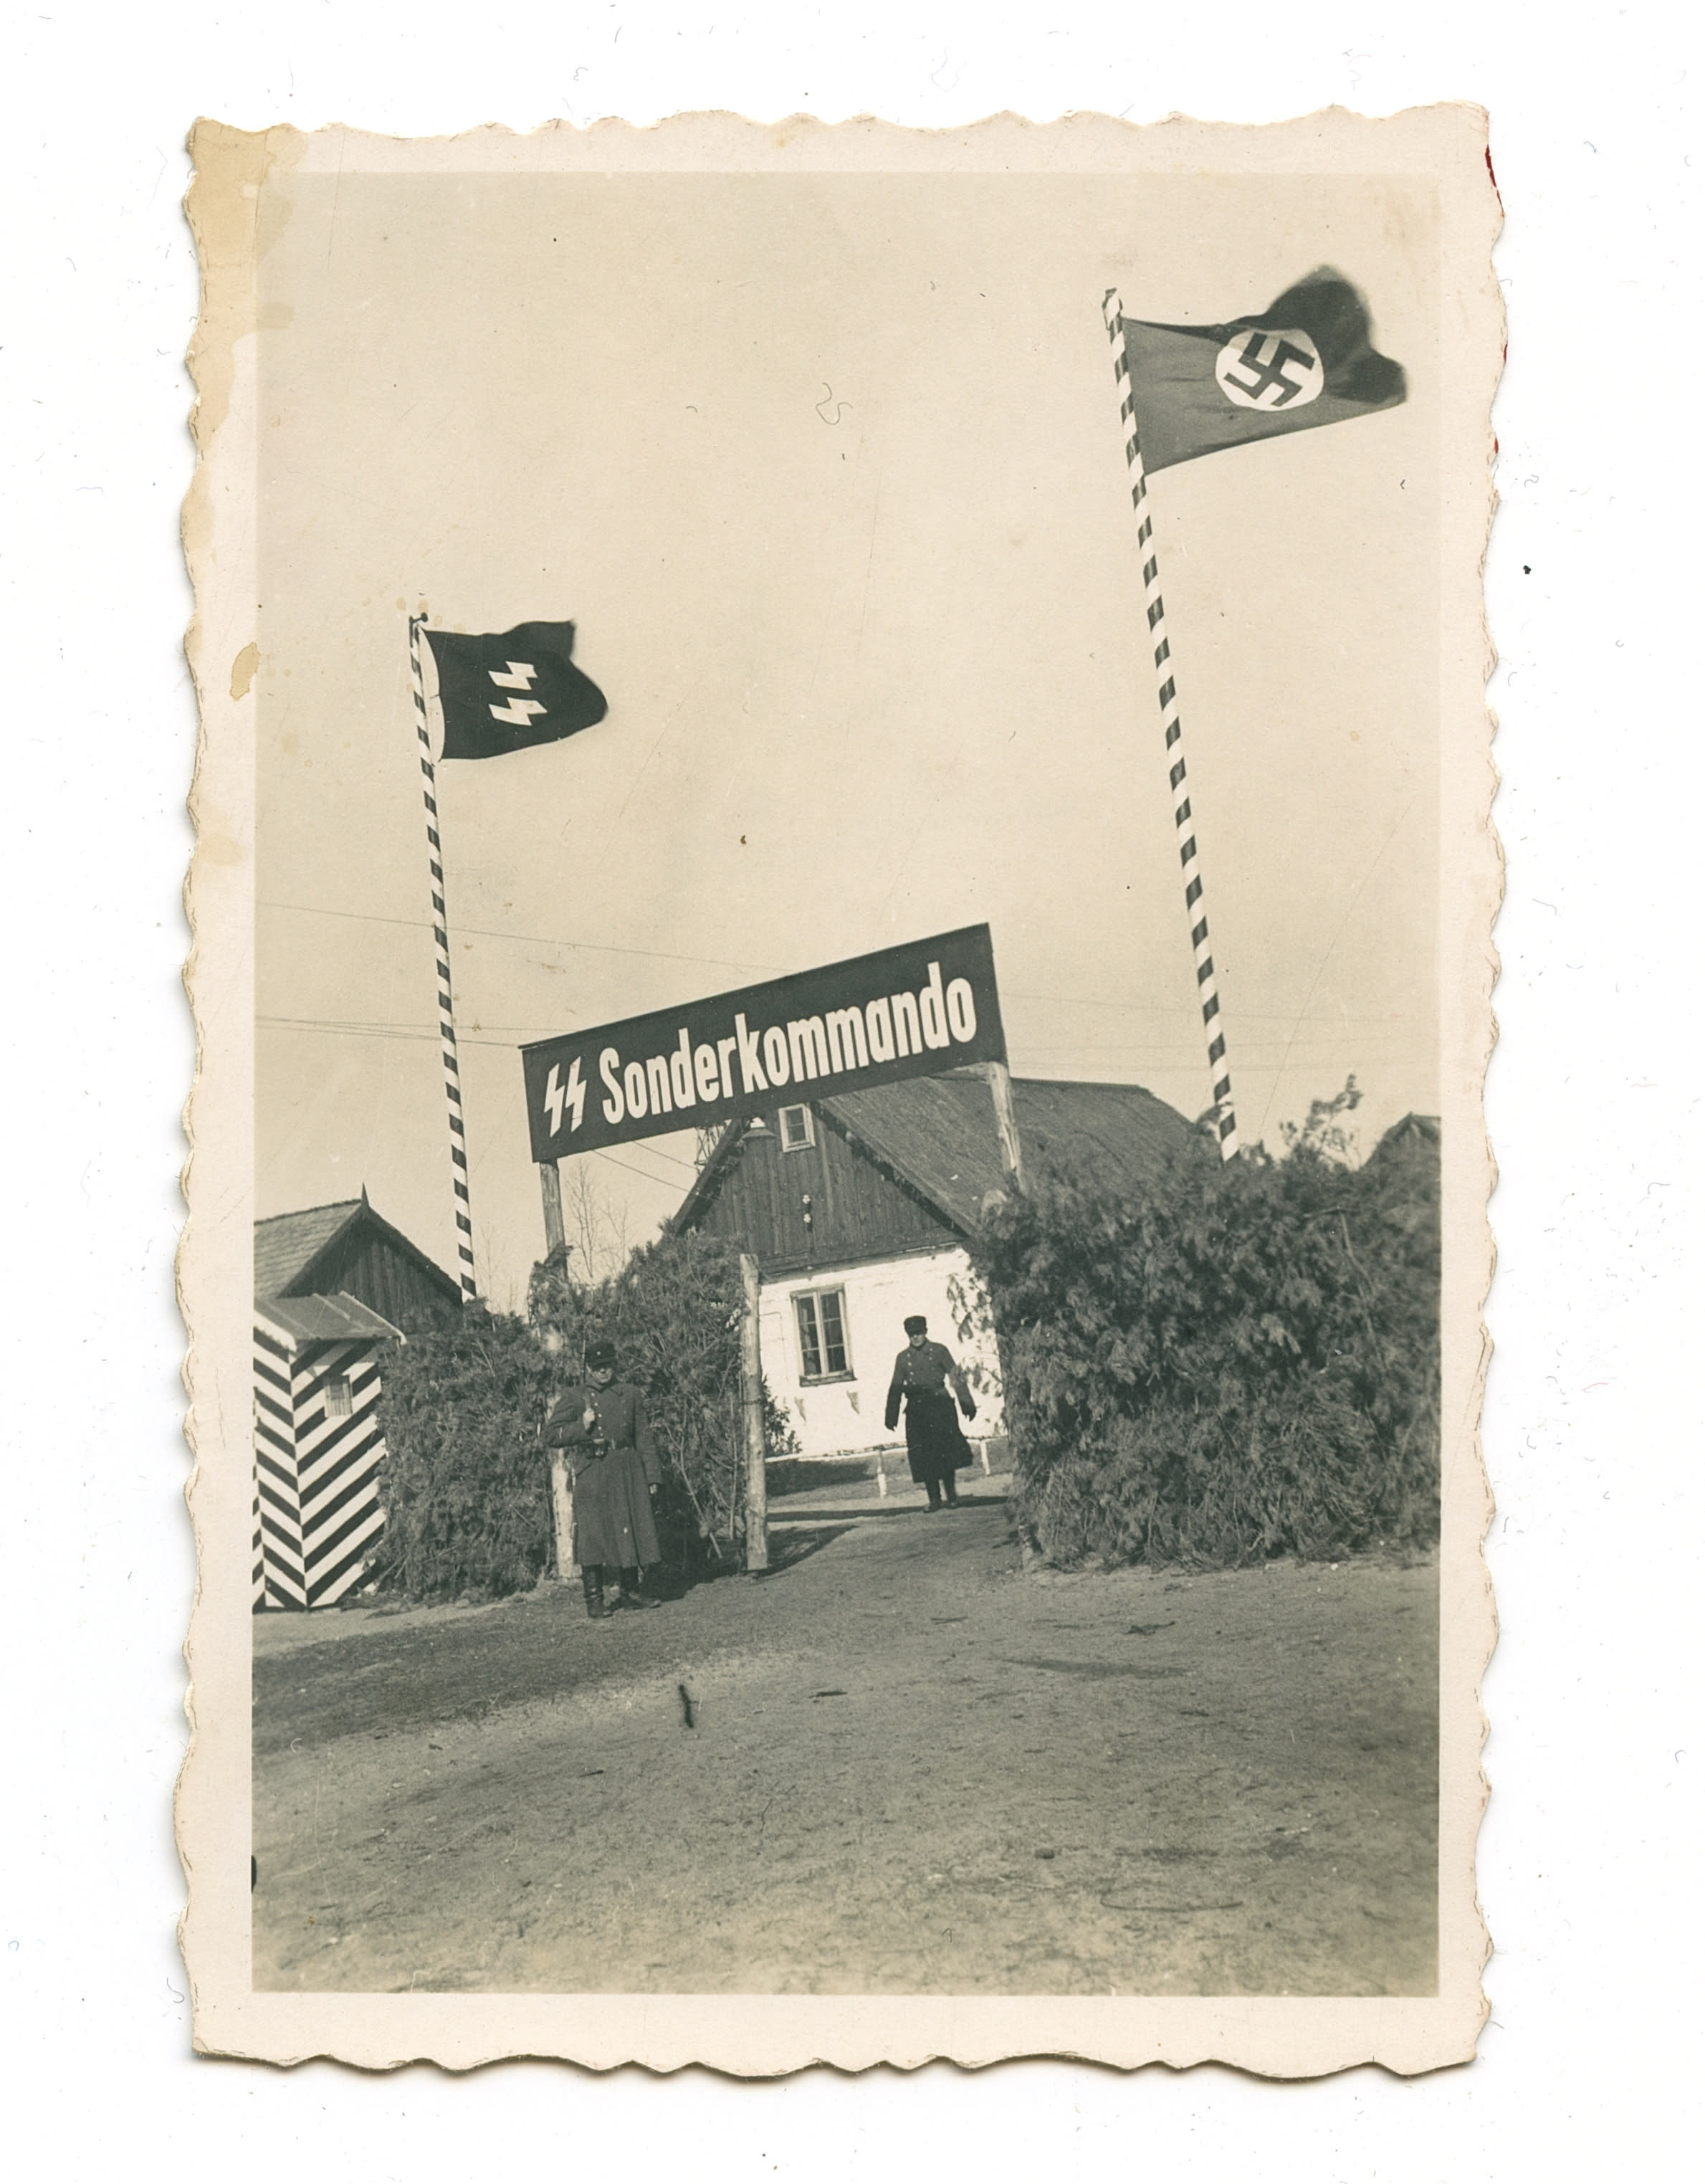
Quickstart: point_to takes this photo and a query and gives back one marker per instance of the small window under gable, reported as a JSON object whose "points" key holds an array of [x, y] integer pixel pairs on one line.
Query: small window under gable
{"points": [[340, 1402], [797, 1132]]}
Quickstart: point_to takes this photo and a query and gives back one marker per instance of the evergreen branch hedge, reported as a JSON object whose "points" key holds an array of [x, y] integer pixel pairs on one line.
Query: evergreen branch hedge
{"points": [[466, 1482], [1239, 1362]]}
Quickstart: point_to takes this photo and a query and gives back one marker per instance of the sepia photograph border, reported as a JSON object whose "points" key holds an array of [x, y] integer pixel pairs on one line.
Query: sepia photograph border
{"points": [[770, 2035]]}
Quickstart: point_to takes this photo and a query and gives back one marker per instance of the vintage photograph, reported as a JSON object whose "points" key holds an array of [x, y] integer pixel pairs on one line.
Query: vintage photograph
{"points": [[838, 1206]]}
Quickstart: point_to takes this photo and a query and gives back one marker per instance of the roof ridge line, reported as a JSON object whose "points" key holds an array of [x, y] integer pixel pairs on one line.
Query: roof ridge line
{"points": [[301, 1212]]}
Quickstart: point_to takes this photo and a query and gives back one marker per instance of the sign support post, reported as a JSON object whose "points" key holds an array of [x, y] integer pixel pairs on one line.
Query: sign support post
{"points": [[1005, 1122], [752, 1411], [550, 1193]]}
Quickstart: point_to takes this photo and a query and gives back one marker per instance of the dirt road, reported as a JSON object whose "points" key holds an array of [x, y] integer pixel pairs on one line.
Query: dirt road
{"points": [[912, 1768]]}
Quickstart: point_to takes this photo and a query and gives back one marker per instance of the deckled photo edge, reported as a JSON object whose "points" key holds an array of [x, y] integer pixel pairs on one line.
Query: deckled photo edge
{"points": [[770, 2035]]}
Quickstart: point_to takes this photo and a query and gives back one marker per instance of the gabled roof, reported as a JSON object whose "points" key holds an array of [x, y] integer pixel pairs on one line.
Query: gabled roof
{"points": [[936, 1134], [289, 1246], [340, 1318]]}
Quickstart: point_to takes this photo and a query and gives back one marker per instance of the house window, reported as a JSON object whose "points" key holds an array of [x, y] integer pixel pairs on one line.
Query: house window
{"points": [[339, 1400], [821, 1315], [796, 1129]]}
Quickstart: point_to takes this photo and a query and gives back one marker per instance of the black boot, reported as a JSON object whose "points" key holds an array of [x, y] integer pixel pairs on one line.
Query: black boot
{"points": [[932, 1489], [592, 1583], [631, 1594], [952, 1492]]}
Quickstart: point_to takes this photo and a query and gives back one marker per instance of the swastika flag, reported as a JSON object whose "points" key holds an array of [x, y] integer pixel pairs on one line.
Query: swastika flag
{"points": [[507, 693], [1308, 360]]}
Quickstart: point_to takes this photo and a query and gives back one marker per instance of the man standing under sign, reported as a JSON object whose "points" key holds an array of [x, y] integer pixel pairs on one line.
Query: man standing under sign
{"points": [[607, 1436], [933, 1443]]}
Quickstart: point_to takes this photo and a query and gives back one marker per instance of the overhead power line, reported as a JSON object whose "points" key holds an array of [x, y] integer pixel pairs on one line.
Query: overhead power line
{"points": [[530, 939], [776, 970], [336, 1027]]}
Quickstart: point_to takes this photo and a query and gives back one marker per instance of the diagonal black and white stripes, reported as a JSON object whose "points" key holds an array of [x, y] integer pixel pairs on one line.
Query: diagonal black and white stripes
{"points": [[441, 941], [1207, 992], [317, 1513]]}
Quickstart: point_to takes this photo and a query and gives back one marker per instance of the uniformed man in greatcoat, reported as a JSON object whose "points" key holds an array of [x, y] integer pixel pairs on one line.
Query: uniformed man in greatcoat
{"points": [[923, 1372], [602, 1430]]}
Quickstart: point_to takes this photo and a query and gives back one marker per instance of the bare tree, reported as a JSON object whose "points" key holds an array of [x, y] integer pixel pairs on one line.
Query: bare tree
{"points": [[597, 1227]]}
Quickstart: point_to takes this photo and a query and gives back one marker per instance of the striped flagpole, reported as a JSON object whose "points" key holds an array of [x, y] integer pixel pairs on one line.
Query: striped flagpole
{"points": [[441, 939], [1207, 992]]}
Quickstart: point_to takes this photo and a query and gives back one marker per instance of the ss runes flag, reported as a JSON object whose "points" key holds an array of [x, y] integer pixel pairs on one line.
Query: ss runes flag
{"points": [[507, 693]]}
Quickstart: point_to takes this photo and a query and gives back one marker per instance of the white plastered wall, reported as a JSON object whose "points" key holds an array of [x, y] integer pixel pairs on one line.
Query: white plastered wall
{"points": [[843, 1417]]}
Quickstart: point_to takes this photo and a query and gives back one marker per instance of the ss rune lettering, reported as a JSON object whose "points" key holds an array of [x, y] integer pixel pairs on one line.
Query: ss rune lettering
{"points": [[1263, 370], [574, 1092], [519, 710]]}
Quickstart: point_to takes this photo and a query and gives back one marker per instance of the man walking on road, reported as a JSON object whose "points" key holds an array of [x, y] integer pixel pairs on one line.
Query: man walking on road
{"points": [[933, 1443], [606, 1436]]}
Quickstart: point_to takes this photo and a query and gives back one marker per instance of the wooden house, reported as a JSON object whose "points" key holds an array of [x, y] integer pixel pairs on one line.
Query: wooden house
{"points": [[857, 1208], [333, 1286]]}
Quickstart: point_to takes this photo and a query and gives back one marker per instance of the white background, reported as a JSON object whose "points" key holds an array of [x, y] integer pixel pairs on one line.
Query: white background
{"points": [[1589, 1863]]}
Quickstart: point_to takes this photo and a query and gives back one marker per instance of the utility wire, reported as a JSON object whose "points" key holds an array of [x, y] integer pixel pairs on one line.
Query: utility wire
{"points": [[773, 970], [533, 940], [332, 1027]]}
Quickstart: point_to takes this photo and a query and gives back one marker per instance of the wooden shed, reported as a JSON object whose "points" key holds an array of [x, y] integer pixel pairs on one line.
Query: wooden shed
{"points": [[334, 1286]]}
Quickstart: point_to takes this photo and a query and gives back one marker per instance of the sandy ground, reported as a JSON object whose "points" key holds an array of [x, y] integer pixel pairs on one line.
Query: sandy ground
{"points": [[912, 1766]]}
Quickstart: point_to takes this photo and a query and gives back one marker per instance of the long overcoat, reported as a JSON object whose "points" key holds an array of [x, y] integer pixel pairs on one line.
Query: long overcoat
{"points": [[935, 1448], [613, 1464]]}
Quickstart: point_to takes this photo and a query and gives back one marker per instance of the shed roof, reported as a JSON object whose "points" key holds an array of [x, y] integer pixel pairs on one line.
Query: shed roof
{"points": [[340, 1318], [937, 1135]]}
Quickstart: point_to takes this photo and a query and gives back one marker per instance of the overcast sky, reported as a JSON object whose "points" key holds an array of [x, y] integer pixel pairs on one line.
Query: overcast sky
{"points": [[828, 473]]}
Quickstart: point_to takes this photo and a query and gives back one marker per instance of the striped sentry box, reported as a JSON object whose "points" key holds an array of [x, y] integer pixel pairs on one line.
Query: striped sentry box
{"points": [[318, 1449], [1207, 992], [441, 941]]}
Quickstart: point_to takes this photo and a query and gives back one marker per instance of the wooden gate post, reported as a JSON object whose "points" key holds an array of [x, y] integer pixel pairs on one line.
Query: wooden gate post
{"points": [[752, 1407], [562, 1510]]}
